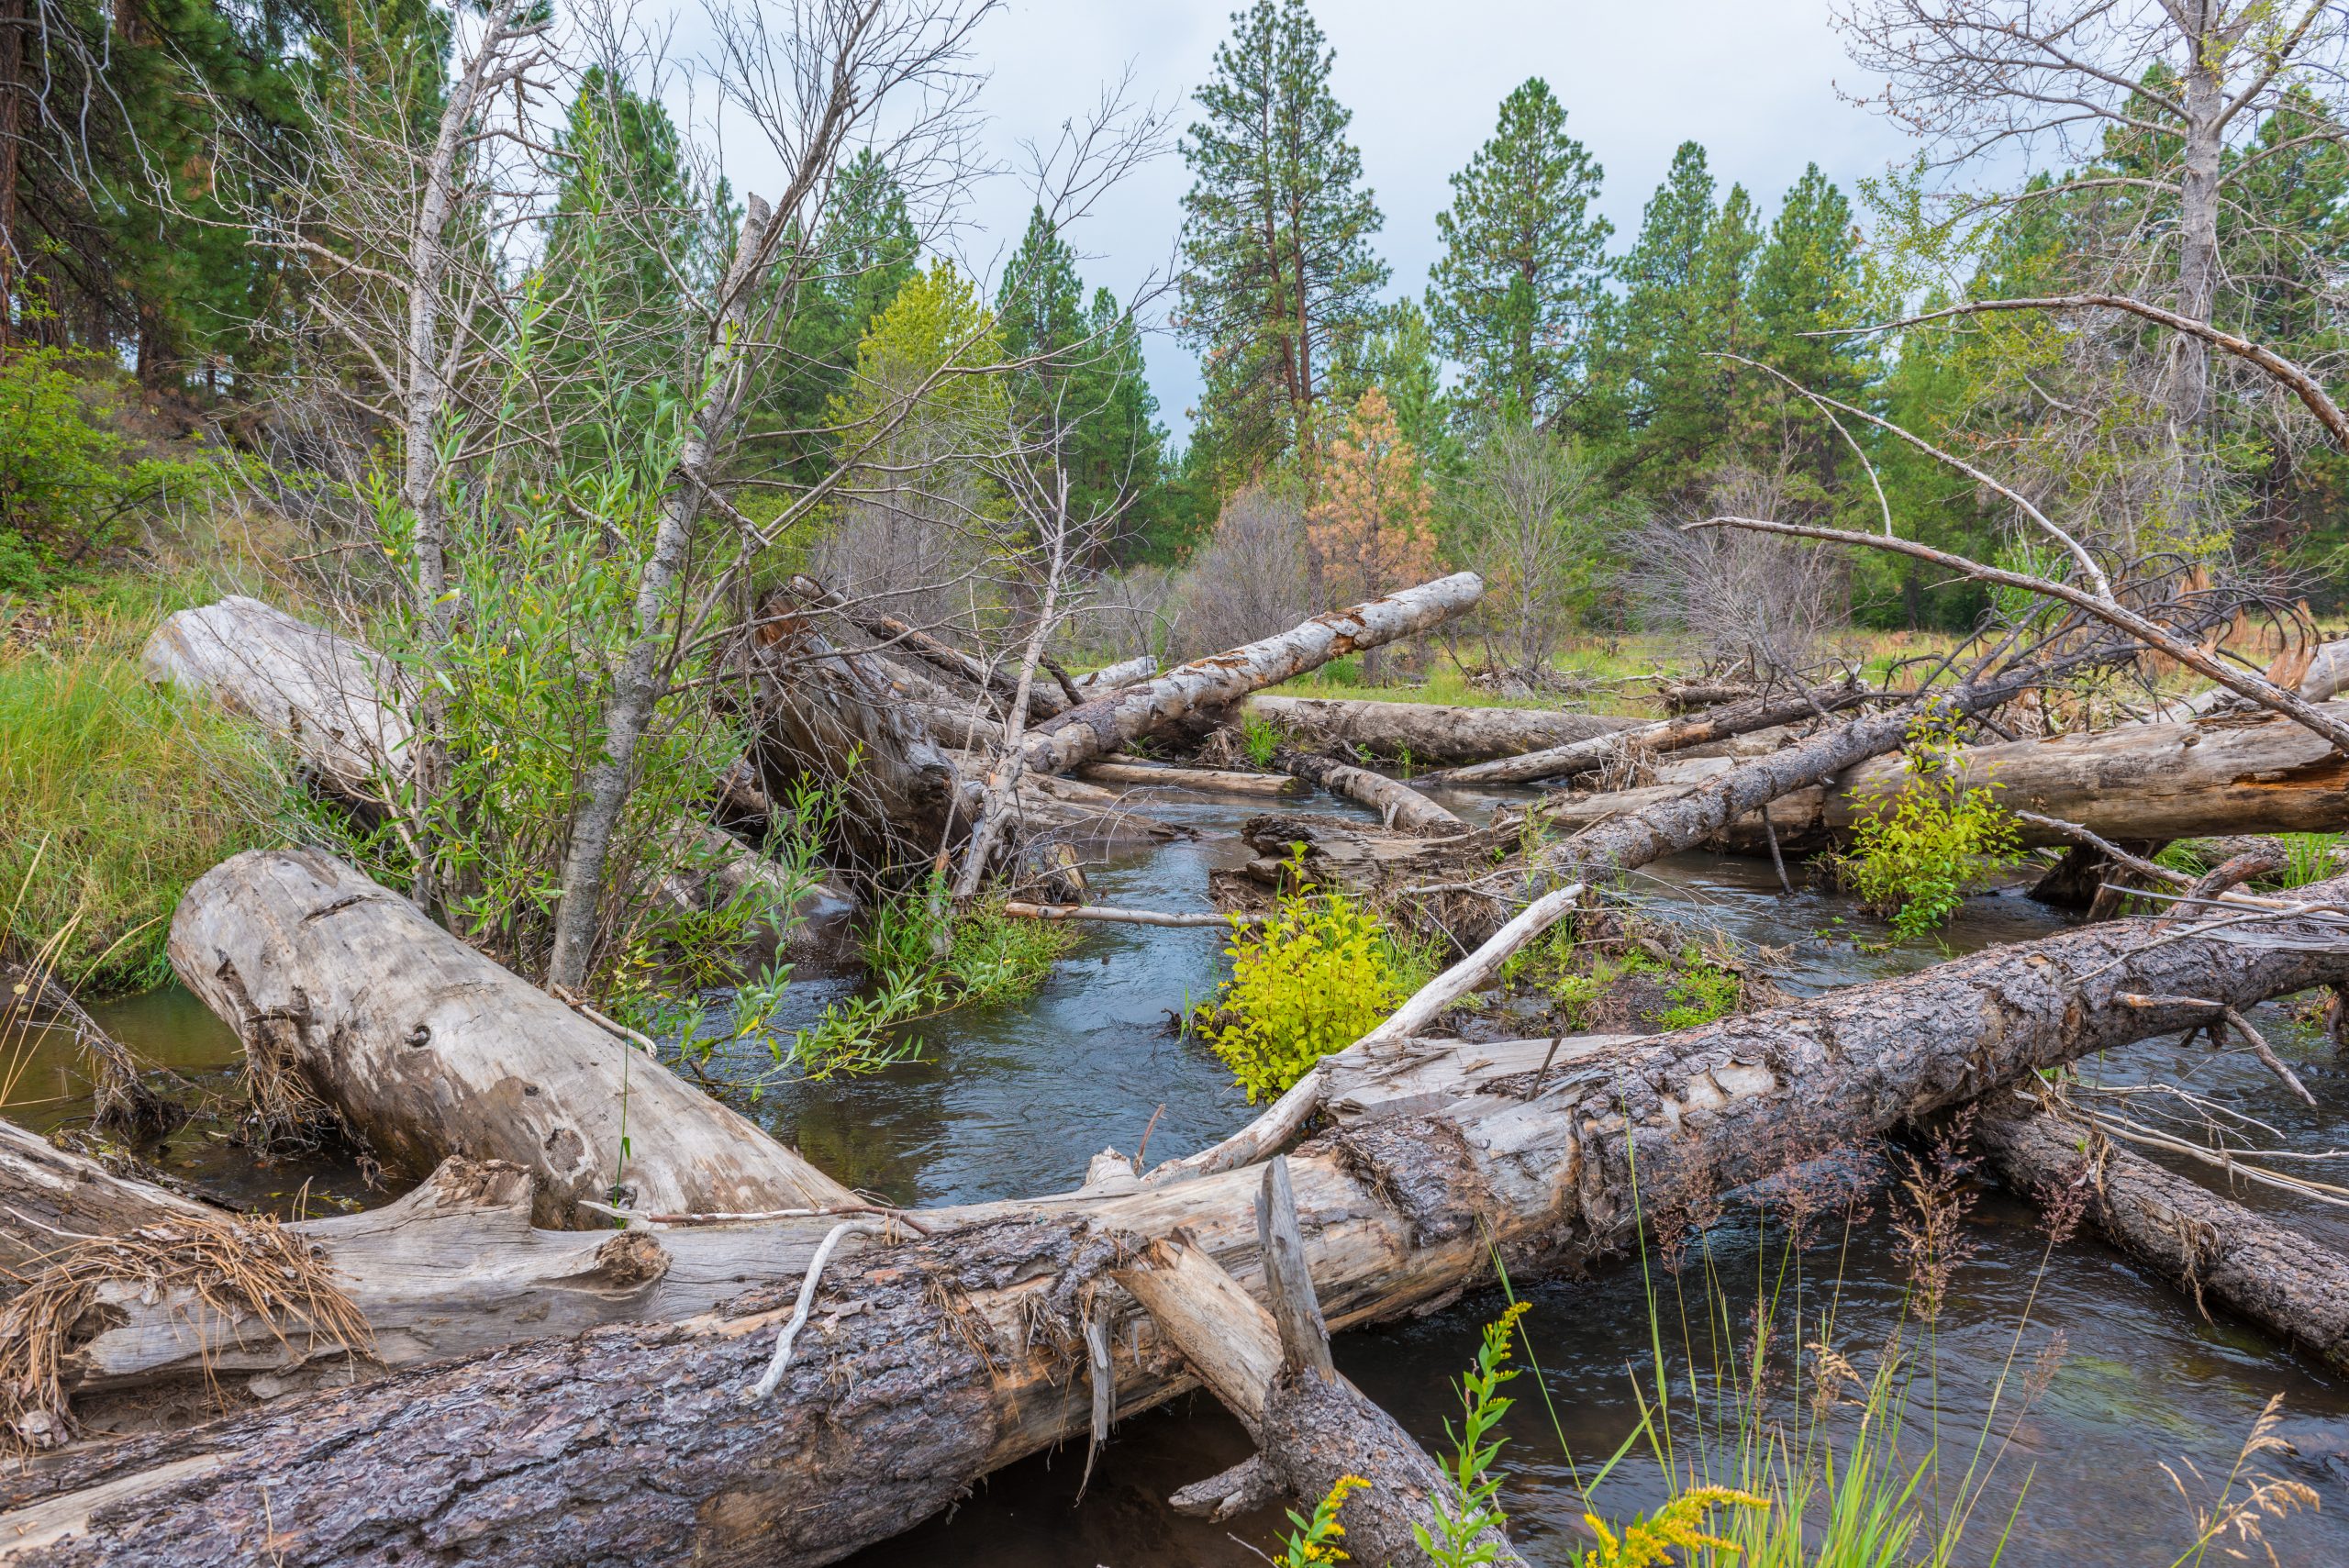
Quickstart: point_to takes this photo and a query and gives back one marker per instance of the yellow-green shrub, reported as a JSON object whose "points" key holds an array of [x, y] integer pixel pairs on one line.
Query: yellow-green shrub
{"points": [[1915, 857], [1313, 979]]}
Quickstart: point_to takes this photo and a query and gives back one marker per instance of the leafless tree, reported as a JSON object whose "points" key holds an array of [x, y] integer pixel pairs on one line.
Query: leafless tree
{"points": [[1760, 605], [1530, 528], [1251, 580]]}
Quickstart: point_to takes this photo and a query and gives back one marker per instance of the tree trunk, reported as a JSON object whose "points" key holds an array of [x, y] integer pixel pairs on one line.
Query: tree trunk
{"points": [[2241, 773], [938, 1359], [1103, 725], [51, 1196], [1671, 735], [426, 1049], [1400, 806], [1428, 731], [2209, 1247]]}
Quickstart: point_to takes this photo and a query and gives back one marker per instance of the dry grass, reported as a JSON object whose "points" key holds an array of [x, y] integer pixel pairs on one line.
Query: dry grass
{"points": [[224, 1270]]}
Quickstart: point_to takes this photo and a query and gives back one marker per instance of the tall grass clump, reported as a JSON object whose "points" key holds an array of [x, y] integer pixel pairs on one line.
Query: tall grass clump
{"points": [[114, 797]]}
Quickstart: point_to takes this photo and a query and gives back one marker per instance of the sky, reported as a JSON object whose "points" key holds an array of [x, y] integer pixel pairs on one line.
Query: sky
{"points": [[1756, 81]]}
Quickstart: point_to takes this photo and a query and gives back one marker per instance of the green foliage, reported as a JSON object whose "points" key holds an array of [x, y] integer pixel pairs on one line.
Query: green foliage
{"points": [[1700, 993], [1262, 737], [1277, 266], [114, 796], [69, 488], [2310, 858], [1524, 260], [1916, 857], [1312, 979], [1315, 1539], [1470, 1505]]}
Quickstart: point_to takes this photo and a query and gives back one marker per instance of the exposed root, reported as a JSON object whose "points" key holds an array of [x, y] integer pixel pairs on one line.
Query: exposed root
{"points": [[232, 1269]]}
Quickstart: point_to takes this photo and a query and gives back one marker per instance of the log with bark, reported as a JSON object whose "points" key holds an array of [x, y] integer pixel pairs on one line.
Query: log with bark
{"points": [[1430, 732], [1655, 740], [1400, 806], [425, 1049], [2238, 773], [933, 1360], [1107, 723]]}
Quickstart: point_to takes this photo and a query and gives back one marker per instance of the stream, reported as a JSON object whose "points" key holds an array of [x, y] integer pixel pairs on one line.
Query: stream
{"points": [[1013, 1100]]}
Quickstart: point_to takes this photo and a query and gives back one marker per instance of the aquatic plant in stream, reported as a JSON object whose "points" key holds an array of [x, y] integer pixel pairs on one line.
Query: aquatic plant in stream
{"points": [[1314, 978], [1915, 857]]}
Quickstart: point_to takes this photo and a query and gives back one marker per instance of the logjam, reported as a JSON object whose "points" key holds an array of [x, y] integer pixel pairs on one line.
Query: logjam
{"points": [[1429, 732], [941, 1356], [425, 1047], [1107, 723], [1655, 740]]}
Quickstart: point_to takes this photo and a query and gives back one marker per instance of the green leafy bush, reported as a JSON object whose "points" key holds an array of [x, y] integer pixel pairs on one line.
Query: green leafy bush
{"points": [[1701, 992], [1915, 857], [1313, 979]]}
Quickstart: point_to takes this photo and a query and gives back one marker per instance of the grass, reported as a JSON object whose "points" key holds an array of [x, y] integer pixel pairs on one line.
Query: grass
{"points": [[115, 797]]}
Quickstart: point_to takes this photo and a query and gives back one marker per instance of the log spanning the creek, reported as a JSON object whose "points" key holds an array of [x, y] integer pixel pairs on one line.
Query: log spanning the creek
{"points": [[1399, 806], [1655, 740], [1095, 728], [51, 1197], [2230, 773], [425, 1047], [932, 1359], [1428, 732]]}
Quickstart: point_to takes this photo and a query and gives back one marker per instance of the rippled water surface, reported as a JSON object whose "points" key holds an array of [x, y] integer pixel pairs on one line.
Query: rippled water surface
{"points": [[1013, 1100]]}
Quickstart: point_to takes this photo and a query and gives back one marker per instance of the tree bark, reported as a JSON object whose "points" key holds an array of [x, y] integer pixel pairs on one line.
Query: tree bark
{"points": [[1105, 724], [938, 1359], [51, 1197], [426, 1049], [2209, 1247], [1431, 732]]}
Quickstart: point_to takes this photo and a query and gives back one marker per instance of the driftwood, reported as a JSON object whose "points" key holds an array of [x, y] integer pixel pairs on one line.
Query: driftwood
{"points": [[1399, 806], [1105, 724], [2245, 773], [1163, 775], [1018, 910], [1430, 732], [2209, 1246], [950, 1354], [50, 1197], [425, 1047], [1655, 740]]}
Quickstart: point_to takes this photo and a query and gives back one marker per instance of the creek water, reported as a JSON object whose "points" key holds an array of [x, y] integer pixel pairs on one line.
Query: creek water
{"points": [[1013, 1100]]}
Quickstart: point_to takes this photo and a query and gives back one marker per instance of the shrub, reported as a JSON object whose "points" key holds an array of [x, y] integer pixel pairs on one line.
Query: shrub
{"points": [[1700, 993], [1916, 857], [1313, 979]]}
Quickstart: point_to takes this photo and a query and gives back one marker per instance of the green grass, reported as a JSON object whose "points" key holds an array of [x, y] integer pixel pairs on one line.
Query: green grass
{"points": [[114, 796]]}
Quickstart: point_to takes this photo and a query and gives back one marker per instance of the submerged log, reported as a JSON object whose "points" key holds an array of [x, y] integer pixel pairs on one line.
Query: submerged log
{"points": [[2205, 1244], [2240, 773], [1430, 732], [933, 1361], [1106, 723], [425, 1047]]}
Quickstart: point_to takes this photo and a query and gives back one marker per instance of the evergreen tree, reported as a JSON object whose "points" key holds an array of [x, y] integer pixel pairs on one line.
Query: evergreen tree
{"points": [[1524, 259], [1811, 276], [1278, 272], [1398, 356]]}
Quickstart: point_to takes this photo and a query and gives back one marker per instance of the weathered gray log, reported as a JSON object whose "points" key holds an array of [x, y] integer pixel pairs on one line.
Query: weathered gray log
{"points": [[1109, 677], [1102, 726], [426, 1049], [1164, 775], [50, 1198], [2207, 1245], [1430, 732], [891, 634], [1273, 1371], [1399, 806], [1655, 740], [333, 699], [951, 1354], [2235, 774]]}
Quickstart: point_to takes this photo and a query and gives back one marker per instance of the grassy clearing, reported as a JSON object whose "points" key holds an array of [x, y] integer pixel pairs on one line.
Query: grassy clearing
{"points": [[114, 796]]}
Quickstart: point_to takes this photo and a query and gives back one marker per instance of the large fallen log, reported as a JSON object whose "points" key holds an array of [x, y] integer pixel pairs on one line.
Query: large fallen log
{"points": [[1653, 739], [1429, 732], [1399, 806], [930, 1361], [426, 1049], [2205, 1244], [52, 1197], [2234, 773], [1106, 723]]}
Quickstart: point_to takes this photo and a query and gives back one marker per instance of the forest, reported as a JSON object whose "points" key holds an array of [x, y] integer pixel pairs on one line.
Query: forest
{"points": [[682, 879]]}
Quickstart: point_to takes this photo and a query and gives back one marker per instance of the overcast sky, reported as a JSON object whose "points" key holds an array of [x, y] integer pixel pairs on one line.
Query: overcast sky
{"points": [[1754, 81]]}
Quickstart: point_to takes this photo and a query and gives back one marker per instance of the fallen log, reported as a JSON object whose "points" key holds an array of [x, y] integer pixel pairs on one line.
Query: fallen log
{"points": [[425, 1047], [888, 633], [1655, 740], [1018, 911], [2205, 1244], [1400, 806], [1164, 775], [1430, 732], [1107, 723], [1109, 677], [2240, 773], [52, 1197], [950, 1354]]}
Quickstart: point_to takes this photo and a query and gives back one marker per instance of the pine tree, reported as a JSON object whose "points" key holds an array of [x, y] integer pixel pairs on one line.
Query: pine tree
{"points": [[1371, 531], [1278, 271], [1811, 276], [1524, 259]]}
